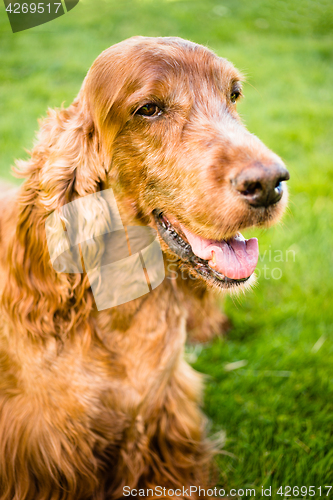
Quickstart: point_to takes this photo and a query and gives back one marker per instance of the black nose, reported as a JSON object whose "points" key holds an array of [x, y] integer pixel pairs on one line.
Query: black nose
{"points": [[261, 185]]}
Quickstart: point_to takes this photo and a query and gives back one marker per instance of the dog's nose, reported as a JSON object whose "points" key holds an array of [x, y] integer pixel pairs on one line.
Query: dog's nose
{"points": [[261, 185]]}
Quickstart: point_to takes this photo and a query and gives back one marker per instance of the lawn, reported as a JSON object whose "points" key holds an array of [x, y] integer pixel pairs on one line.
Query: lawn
{"points": [[270, 381]]}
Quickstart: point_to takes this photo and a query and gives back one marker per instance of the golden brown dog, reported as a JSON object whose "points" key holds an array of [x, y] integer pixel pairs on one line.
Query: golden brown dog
{"points": [[92, 401]]}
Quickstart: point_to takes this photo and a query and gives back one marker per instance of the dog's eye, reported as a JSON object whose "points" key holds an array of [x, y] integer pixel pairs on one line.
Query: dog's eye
{"points": [[234, 95], [149, 109]]}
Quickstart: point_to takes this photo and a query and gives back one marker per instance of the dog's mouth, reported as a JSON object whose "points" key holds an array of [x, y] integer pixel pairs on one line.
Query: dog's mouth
{"points": [[226, 263]]}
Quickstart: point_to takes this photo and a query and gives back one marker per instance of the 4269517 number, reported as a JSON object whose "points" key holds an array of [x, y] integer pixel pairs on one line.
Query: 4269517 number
{"points": [[32, 8], [302, 491]]}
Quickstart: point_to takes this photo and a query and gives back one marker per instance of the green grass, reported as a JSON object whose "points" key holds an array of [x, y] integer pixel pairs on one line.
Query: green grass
{"points": [[277, 408]]}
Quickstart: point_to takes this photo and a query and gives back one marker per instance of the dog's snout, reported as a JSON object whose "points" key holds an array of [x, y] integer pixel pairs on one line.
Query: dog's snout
{"points": [[261, 185]]}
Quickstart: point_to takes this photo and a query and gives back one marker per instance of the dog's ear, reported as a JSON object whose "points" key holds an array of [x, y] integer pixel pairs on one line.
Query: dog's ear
{"points": [[71, 159], [65, 165]]}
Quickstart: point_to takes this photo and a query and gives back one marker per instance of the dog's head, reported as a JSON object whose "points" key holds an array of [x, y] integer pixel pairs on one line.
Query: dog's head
{"points": [[160, 118], [165, 113]]}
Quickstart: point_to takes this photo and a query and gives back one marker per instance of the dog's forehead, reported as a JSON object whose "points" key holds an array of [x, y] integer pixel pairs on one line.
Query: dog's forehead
{"points": [[141, 61], [179, 59]]}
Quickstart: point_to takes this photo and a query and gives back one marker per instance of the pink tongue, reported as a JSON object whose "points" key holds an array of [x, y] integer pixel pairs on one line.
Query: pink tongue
{"points": [[236, 259]]}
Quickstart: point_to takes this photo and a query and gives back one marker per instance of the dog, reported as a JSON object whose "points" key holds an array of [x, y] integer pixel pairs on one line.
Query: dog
{"points": [[98, 403]]}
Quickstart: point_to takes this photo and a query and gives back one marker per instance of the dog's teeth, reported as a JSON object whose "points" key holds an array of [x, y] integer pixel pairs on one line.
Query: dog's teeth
{"points": [[212, 261], [239, 237], [213, 257]]}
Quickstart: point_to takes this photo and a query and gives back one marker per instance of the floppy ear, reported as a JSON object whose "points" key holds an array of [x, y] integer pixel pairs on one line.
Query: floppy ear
{"points": [[71, 159], [65, 164]]}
